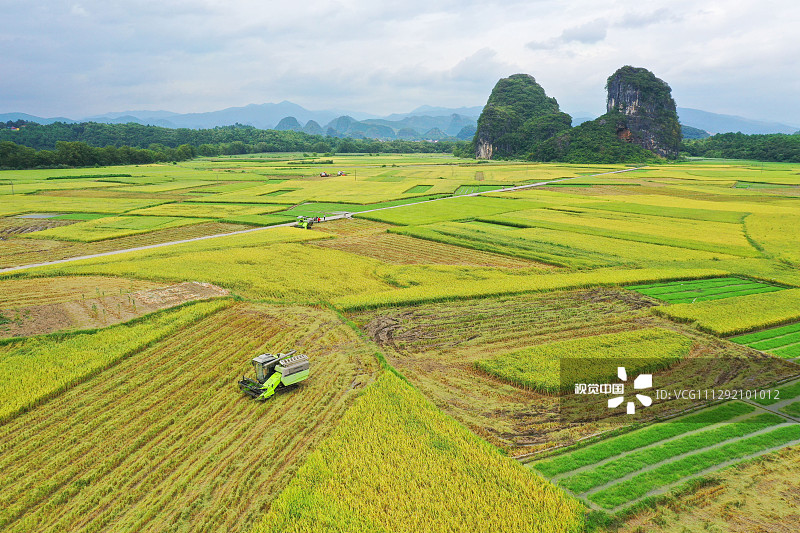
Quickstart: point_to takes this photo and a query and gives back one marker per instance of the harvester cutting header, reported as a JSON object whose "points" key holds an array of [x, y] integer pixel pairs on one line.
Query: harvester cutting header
{"points": [[274, 370]]}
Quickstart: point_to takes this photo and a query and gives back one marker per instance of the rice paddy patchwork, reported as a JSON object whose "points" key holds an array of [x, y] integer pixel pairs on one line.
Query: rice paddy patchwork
{"points": [[617, 472], [676, 292], [783, 341]]}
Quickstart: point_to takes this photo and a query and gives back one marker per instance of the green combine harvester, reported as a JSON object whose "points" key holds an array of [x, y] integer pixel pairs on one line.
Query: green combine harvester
{"points": [[305, 222], [272, 371]]}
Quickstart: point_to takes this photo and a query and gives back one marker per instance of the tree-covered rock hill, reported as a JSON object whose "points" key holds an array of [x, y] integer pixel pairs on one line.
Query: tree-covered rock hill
{"points": [[640, 124], [517, 116], [644, 111]]}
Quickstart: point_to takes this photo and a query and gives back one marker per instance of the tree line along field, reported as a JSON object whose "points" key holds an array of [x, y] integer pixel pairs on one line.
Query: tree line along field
{"points": [[435, 322]]}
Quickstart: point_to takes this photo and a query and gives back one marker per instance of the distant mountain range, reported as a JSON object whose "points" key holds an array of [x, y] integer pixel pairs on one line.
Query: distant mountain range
{"points": [[425, 122], [716, 123]]}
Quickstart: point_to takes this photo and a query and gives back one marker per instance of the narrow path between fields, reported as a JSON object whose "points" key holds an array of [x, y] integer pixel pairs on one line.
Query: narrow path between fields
{"points": [[290, 224], [710, 470], [666, 488], [699, 429]]}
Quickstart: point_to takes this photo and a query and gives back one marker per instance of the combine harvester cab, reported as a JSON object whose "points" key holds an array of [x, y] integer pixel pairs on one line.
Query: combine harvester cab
{"points": [[273, 371]]}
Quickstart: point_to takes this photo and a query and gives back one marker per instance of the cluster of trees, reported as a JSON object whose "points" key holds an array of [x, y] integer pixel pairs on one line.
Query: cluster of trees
{"points": [[140, 136], [90, 143], [594, 141], [774, 147], [79, 154]]}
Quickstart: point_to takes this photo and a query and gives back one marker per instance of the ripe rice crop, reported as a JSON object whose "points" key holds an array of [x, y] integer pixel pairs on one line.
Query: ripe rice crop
{"points": [[712, 215], [259, 220], [337, 189], [264, 265], [693, 234], [436, 284], [702, 290], [165, 441], [404, 250], [470, 189], [209, 210], [561, 248], [164, 187], [499, 241], [397, 463], [67, 204], [538, 367], [228, 187], [738, 314], [27, 251], [663, 198], [113, 227], [328, 208], [69, 359], [778, 234]]}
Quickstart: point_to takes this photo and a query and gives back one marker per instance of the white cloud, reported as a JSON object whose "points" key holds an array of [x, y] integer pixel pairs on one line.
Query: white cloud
{"points": [[95, 56], [78, 10], [588, 33]]}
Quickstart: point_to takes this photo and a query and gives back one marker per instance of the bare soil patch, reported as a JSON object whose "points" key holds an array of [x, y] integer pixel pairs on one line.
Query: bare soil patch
{"points": [[10, 226], [101, 311], [23, 292]]}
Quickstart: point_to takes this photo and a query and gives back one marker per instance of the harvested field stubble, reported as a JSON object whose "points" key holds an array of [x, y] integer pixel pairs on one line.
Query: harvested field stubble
{"points": [[165, 440]]}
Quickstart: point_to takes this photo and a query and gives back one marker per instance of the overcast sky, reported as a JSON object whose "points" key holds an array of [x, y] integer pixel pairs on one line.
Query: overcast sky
{"points": [[78, 58]]}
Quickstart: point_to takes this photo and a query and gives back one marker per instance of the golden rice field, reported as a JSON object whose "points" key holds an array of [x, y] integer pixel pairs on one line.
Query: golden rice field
{"points": [[392, 248], [16, 292], [433, 331], [164, 440], [69, 360], [538, 367], [112, 227], [16, 252], [345, 484], [219, 210]]}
